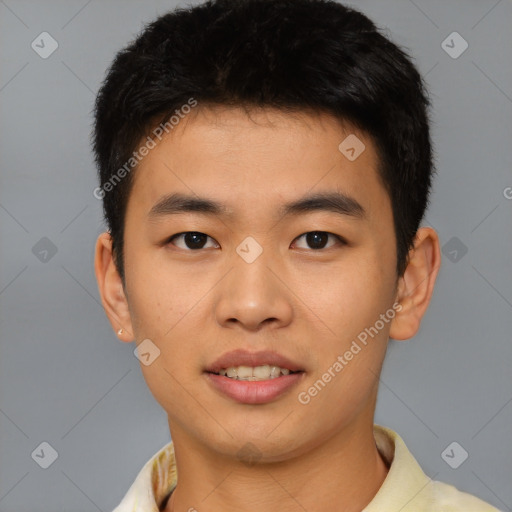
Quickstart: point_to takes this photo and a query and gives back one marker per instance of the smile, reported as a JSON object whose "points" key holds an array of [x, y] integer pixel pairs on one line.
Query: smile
{"points": [[253, 373]]}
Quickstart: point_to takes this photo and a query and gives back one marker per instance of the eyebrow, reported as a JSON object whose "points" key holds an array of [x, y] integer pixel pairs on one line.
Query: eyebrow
{"points": [[336, 202]]}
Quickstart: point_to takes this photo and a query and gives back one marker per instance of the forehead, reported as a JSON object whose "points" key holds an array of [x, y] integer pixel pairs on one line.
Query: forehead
{"points": [[253, 160]]}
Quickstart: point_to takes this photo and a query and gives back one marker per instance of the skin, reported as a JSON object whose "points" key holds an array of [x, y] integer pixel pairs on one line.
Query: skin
{"points": [[306, 303]]}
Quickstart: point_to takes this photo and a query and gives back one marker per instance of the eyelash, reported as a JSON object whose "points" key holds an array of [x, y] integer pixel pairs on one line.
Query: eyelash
{"points": [[339, 238]]}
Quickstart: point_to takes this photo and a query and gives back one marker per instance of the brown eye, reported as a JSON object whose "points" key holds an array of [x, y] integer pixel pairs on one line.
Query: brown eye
{"points": [[318, 239], [193, 240]]}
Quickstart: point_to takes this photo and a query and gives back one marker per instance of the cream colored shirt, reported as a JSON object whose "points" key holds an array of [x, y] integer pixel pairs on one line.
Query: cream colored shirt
{"points": [[405, 489]]}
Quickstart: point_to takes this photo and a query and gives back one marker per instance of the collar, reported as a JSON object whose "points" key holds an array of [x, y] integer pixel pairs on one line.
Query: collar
{"points": [[406, 487]]}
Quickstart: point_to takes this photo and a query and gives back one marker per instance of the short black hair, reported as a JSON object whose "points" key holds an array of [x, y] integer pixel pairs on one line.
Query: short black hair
{"points": [[292, 55]]}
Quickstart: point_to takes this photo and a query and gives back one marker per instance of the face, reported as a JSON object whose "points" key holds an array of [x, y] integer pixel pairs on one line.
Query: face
{"points": [[283, 281]]}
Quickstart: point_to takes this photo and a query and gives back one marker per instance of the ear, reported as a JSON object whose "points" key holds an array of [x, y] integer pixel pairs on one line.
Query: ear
{"points": [[416, 286], [111, 289]]}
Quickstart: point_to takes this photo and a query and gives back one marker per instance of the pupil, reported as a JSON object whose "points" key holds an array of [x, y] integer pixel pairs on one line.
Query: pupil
{"points": [[314, 238], [196, 240]]}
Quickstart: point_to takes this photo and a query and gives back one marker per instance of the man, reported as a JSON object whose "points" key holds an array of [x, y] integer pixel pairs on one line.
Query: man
{"points": [[264, 168]]}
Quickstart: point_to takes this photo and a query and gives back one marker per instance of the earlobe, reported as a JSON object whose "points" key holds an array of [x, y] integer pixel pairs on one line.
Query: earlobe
{"points": [[111, 290], [416, 286]]}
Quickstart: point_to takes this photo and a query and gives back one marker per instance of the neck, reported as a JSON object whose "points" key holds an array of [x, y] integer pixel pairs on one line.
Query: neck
{"points": [[343, 474]]}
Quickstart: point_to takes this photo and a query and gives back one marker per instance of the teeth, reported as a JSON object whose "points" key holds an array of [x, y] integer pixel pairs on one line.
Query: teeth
{"points": [[264, 372], [244, 372], [275, 371], [260, 372]]}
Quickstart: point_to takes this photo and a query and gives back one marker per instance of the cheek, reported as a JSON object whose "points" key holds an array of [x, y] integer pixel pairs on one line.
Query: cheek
{"points": [[162, 309], [157, 309], [349, 296], [159, 295], [167, 306]]}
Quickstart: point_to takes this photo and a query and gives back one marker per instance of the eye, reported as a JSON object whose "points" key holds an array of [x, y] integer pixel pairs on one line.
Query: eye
{"points": [[193, 239], [318, 239]]}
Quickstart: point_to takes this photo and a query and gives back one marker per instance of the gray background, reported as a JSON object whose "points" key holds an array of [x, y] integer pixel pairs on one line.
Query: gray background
{"points": [[67, 380]]}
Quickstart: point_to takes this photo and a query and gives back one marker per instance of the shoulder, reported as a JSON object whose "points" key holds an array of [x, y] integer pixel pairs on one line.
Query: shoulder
{"points": [[448, 498], [409, 489]]}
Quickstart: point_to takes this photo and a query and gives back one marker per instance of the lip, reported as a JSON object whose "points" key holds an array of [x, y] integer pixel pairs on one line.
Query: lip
{"points": [[242, 357], [254, 392]]}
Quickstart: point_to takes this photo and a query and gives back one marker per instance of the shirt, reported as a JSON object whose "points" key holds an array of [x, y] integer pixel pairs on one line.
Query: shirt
{"points": [[406, 487]]}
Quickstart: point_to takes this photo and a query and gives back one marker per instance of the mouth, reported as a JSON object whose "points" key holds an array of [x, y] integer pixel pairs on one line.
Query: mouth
{"points": [[254, 373], [244, 365], [254, 377]]}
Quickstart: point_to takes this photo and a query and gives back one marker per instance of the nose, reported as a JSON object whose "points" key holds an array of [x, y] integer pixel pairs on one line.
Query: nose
{"points": [[253, 296]]}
